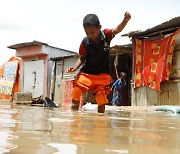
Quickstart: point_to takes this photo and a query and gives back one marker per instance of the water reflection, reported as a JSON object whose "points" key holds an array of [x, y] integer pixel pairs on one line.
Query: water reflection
{"points": [[7, 126], [30, 130]]}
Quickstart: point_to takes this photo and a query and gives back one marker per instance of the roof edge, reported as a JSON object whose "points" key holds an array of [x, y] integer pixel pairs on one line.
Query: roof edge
{"points": [[21, 45]]}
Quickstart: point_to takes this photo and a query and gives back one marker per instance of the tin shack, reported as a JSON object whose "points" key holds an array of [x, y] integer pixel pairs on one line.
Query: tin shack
{"points": [[62, 82], [36, 67]]}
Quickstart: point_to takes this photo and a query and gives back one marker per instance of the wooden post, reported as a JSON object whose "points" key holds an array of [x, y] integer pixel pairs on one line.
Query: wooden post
{"points": [[53, 79], [116, 64]]}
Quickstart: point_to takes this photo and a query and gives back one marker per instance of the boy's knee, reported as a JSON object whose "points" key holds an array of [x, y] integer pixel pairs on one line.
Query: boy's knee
{"points": [[101, 97]]}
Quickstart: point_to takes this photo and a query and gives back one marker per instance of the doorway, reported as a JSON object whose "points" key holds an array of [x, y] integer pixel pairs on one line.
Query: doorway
{"points": [[124, 65]]}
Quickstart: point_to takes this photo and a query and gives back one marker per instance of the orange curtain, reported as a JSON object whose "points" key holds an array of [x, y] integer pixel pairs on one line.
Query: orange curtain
{"points": [[152, 61]]}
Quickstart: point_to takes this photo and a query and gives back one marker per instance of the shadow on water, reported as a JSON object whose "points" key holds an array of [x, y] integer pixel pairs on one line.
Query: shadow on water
{"points": [[35, 130]]}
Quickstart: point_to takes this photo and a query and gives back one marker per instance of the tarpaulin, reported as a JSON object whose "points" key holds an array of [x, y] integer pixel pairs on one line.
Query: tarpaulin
{"points": [[152, 61], [5, 72]]}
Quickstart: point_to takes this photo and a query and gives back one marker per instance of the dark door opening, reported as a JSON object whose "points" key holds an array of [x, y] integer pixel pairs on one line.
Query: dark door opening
{"points": [[124, 65]]}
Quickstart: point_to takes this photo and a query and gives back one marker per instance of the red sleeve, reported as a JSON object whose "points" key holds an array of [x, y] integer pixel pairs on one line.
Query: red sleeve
{"points": [[82, 50], [108, 33]]}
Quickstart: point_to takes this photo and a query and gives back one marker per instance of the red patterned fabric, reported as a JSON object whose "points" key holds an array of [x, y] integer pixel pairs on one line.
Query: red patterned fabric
{"points": [[152, 61], [68, 92]]}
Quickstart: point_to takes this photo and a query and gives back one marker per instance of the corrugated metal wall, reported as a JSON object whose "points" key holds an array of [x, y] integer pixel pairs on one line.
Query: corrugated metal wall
{"points": [[69, 62], [170, 94], [62, 92], [56, 52], [50, 65], [144, 96], [175, 70], [53, 52], [58, 82]]}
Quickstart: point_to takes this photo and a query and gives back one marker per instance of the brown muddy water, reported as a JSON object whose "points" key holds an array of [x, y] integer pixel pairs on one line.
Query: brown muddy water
{"points": [[34, 130]]}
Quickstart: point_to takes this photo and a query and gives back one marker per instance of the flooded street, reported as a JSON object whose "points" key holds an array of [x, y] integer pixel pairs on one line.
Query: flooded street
{"points": [[35, 130]]}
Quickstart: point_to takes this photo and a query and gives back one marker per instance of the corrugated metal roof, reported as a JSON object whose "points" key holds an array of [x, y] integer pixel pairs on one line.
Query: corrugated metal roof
{"points": [[25, 44], [62, 57], [121, 49], [165, 28]]}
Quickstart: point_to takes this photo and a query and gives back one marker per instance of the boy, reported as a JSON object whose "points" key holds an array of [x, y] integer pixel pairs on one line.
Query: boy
{"points": [[118, 86], [94, 55]]}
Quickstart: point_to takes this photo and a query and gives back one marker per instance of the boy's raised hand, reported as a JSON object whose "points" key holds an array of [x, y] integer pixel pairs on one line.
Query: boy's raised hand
{"points": [[127, 16]]}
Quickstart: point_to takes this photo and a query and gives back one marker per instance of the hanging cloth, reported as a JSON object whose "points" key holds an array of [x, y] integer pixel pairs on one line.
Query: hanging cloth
{"points": [[152, 61]]}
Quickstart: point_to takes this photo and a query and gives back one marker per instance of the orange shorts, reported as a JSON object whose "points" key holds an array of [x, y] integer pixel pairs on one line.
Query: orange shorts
{"points": [[98, 83]]}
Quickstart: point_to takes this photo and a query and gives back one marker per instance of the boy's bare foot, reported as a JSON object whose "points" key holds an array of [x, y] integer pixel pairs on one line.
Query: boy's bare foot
{"points": [[75, 105], [101, 109]]}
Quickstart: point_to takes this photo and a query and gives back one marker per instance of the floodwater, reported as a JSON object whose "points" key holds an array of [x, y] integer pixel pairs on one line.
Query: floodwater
{"points": [[34, 130]]}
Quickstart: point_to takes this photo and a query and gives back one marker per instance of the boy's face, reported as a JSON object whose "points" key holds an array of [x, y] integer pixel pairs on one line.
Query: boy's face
{"points": [[123, 77], [92, 32]]}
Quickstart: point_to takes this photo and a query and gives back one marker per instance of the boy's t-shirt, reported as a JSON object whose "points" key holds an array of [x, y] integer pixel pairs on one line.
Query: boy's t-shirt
{"points": [[96, 55], [119, 84]]}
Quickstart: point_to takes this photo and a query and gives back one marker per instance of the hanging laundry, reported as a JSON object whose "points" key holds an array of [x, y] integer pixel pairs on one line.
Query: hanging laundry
{"points": [[152, 61]]}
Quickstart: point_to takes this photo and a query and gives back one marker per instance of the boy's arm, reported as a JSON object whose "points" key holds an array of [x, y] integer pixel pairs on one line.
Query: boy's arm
{"points": [[79, 62], [113, 85], [121, 26]]}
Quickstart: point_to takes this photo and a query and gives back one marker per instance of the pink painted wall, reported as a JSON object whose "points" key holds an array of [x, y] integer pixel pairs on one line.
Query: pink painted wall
{"points": [[29, 51]]}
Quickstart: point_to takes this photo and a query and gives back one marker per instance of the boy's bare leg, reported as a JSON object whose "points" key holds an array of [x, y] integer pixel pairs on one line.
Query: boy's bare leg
{"points": [[101, 109], [75, 105]]}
